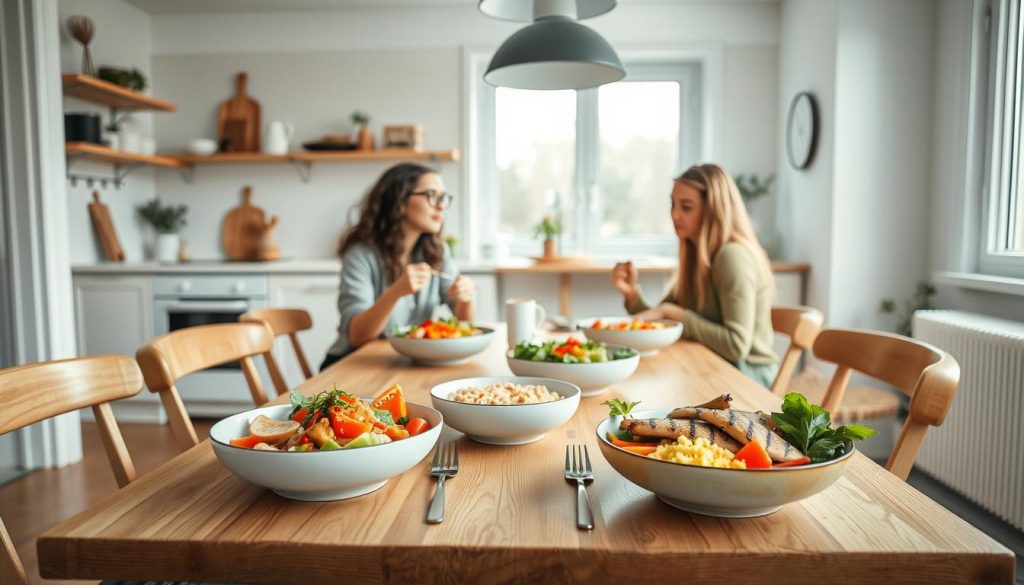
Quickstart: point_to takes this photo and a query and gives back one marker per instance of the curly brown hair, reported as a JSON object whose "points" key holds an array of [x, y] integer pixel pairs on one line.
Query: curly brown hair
{"points": [[380, 220]]}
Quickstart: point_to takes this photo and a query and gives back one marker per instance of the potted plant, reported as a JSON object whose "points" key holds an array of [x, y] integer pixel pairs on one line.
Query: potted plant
{"points": [[548, 227], [451, 240], [167, 220], [360, 120]]}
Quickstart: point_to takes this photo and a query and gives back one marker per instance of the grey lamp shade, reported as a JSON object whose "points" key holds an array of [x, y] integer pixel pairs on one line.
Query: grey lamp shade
{"points": [[522, 10], [554, 54]]}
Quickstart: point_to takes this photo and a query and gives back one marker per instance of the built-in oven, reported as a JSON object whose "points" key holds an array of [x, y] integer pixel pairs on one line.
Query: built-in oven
{"points": [[191, 300]]}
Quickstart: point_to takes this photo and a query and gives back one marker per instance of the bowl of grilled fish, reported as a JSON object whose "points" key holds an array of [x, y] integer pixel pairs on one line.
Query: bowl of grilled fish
{"points": [[695, 460]]}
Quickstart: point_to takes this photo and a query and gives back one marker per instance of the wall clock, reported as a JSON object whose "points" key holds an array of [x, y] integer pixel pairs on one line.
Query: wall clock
{"points": [[802, 130]]}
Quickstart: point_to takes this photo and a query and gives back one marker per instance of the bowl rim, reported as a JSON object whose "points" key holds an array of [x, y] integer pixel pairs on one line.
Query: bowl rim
{"points": [[609, 346], [578, 393], [484, 332], [230, 446], [808, 466], [669, 323]]}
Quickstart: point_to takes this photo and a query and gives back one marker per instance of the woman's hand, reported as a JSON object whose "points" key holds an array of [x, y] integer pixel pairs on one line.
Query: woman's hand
{"points": [[671, 311], [649, 315], [413, 279], [462, 290], [624, 279]]}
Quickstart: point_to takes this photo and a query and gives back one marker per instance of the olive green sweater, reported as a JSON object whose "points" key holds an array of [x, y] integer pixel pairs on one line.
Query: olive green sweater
{"points": [[736, 321]]}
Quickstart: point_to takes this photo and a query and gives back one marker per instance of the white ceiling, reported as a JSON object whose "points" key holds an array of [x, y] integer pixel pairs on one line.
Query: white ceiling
{"points": [[224, 6]]}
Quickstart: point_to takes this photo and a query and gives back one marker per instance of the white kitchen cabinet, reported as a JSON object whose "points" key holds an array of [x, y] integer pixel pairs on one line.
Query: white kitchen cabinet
{"points": [[317, 294], [114, 315]]}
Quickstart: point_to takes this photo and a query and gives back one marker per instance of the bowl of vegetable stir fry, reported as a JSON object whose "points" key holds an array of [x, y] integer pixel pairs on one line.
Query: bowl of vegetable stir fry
{"points": [[439, 342], [591, 365], [647, 337], [332, 446]]}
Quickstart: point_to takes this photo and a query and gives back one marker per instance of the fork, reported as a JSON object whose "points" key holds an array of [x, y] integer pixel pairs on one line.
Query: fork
{"points": [[580, 472], [444, 464]]}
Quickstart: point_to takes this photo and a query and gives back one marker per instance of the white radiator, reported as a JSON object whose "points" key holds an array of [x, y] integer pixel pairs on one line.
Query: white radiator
{"points": [[978, 449]]}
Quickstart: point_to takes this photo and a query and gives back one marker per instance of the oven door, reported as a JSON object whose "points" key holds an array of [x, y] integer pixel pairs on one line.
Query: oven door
{"points": [[219, 390]]}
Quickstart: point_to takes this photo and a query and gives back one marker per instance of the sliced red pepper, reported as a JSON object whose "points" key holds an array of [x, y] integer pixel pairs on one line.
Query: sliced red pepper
{"points": [[801, 461], [393, 401], [416, 426], [754, 455], [346, 426], [247, 442]]}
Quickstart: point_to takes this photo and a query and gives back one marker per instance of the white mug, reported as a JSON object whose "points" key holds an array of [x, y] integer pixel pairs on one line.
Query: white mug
{"points": [[523, 316]]}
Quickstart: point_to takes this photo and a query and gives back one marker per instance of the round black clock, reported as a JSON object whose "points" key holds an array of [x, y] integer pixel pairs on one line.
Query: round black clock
{"points": [[802, 130]]}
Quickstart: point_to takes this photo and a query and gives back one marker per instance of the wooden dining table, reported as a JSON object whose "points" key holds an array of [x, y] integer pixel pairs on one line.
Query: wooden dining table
{"points": [[510, 514]]}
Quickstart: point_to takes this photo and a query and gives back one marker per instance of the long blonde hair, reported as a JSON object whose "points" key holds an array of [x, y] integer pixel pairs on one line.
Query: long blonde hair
{"points": [[725, 220]]}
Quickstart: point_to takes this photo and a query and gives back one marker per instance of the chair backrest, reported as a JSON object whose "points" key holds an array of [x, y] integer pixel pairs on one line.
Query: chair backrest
{"points": [[801, 325], [178, 353], [285, 322], [32, 393], [928, 375]]}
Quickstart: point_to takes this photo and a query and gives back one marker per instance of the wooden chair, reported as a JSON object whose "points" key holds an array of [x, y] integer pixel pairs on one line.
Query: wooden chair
{"points": [[928, 375], [285, 322], [801, 325], [178, 353], [32, 393]]}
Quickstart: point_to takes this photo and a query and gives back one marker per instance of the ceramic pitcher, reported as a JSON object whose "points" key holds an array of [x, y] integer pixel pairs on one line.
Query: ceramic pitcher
{"points": [[279, 135]]}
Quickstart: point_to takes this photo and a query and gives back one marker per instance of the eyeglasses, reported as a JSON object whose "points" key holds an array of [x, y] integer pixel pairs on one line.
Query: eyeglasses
{"points": [[435, 199]]}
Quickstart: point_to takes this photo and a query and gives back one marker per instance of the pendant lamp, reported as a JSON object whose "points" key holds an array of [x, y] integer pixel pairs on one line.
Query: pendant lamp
{"points": [[555, 52]]}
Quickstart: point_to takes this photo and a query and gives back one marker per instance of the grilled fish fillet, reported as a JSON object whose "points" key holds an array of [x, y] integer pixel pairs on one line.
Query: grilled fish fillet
{"points": [[743, 426], [667, 428]]}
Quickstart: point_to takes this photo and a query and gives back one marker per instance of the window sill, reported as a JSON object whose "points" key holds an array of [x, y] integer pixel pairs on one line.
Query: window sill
{"points": [[985, 282]]}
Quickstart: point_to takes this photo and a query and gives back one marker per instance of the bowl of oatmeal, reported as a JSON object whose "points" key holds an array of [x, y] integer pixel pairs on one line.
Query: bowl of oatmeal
{"points": [[505, 410]]}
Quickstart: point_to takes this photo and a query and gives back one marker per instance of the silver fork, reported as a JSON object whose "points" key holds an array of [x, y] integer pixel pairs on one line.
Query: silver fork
{"points": [[580, 471], [444, 464]]}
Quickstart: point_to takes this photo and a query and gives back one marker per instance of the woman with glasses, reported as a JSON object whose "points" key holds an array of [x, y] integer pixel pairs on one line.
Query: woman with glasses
{"points": [[395, 268], [723, 289]]}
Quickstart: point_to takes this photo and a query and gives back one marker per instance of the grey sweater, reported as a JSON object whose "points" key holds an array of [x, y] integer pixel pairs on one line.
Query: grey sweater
{"points": [[363, 281]]}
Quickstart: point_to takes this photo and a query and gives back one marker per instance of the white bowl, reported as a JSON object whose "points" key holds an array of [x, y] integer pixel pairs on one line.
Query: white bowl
{"points": [[593, 378], [647, 342], [442, 352], [727, 493], [505, 424], [202, 146], [322, 475]]}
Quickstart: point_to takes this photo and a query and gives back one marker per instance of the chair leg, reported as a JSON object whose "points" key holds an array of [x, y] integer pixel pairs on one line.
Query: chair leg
{"points": [[901, 461], [301, 355], [11, 569], [181, 424], [259, 396]]}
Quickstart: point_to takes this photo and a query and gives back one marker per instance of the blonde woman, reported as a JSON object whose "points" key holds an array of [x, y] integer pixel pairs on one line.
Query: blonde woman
{"points": [[723, 289]]}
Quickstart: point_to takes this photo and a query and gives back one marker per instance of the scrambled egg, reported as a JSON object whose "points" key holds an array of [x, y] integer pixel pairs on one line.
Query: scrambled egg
{"points": [[699, 452]]}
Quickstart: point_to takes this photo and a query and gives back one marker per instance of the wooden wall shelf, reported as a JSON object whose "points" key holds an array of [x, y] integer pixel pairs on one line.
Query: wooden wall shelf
{"points": [[303, 160], [97, 91], [101, 154], [227, 158]]}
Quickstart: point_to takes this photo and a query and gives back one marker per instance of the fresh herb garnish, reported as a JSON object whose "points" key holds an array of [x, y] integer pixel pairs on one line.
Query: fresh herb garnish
{"points": [[618, 407], [808, 427], [402, 421], [319, 402]]}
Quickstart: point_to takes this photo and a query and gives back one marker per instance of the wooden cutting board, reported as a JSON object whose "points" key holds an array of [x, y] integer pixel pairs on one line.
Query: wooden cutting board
{"points": [[238, 121], [243, 229], [104, 226]]}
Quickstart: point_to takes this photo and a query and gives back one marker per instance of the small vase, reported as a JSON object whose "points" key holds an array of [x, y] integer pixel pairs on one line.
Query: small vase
{"points": [[549, 248], [365, 139], [167, 248]]}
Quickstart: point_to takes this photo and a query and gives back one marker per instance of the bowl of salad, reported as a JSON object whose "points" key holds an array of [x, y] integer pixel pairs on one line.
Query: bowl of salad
{"points": [[647, 337], [717, 461], [332, 446], [441, 342], [591, 365], [505, 410]]}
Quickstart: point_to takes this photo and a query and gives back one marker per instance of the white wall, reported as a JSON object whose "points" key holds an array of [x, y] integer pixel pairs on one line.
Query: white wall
{"points": [[122, 39], [405, 66], [807, 61], [882, 157]]}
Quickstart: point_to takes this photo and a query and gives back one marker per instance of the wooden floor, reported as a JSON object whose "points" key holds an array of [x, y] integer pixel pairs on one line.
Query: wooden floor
{"points": [[32, 504]]}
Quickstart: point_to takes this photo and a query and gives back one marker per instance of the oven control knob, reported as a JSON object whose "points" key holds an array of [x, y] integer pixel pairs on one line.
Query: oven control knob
{"points": [[238, 287], [184, 286]]}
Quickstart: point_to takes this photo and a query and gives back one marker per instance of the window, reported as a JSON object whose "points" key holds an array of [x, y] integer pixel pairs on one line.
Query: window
{"points": [[1002, 226], [600, 160]]}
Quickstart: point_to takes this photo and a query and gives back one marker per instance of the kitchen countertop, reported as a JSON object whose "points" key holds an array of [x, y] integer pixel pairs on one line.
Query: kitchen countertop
{"points": [[333, 266]]}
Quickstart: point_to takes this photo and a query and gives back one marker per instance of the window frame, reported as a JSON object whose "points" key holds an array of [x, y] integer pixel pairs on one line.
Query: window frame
{"points": [[481, 214], [1001, 110]]}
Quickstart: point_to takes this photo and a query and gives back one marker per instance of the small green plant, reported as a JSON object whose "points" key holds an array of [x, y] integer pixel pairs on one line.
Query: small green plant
{"points": [[753, 186], [548, 227], [451, 240], [922, 300], [132, 79], [167, 219], [359, 118]]}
